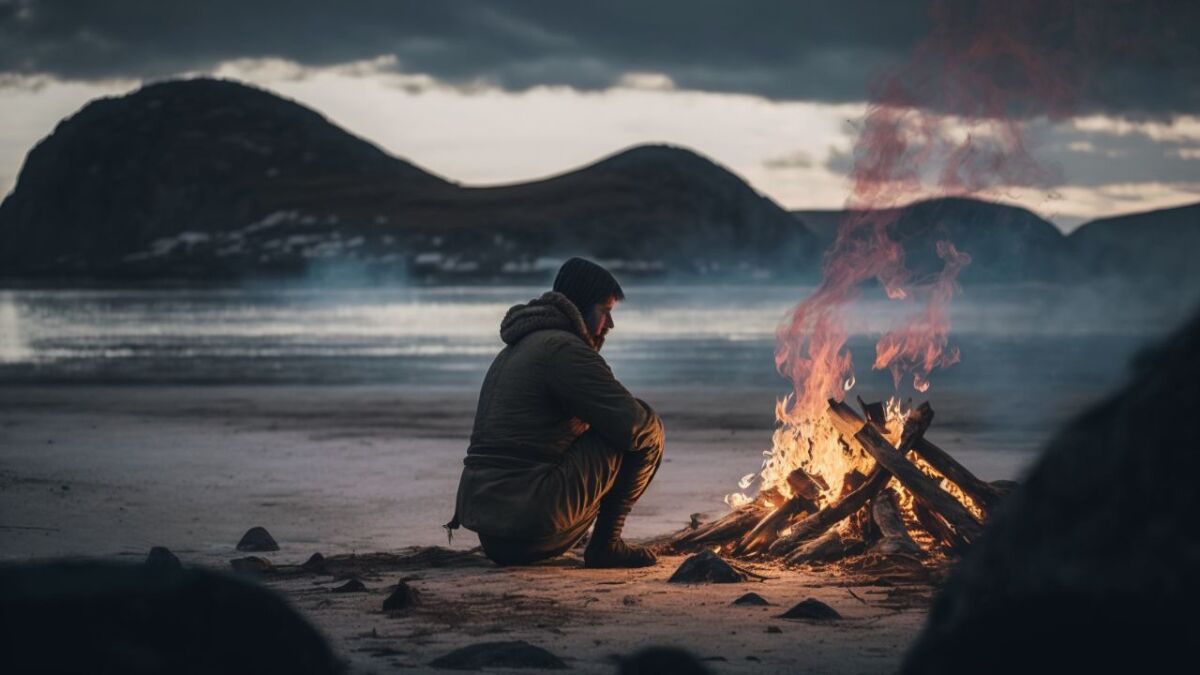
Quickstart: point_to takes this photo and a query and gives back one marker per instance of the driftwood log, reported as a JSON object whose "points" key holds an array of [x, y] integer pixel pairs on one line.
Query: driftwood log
{"points": [[923, 488], [767, 529], [729, 526], [894, 538], [819, 522], [983, 494], [830, 546]]}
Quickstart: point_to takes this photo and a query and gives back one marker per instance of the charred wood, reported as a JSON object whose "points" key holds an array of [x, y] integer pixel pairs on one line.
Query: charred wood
{"points": [[730, 526], [768, 528], [938, 528], [923, 488], [828, 547], [819, 522], [885, 512]]}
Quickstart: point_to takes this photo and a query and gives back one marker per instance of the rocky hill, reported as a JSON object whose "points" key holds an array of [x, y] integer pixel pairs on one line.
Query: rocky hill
{"points": [[1006, 243], [1158, 247], [214, 179]]}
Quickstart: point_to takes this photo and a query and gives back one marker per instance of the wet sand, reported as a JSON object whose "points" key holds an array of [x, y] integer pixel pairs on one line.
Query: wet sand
{"points": [[110, 471]]}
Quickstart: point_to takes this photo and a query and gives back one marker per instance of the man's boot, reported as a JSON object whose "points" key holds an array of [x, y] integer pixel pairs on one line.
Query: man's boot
{"points": [[607, 549]]}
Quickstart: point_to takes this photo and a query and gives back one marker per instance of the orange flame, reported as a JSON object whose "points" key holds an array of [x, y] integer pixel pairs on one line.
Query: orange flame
{"points": [[941, 125]]}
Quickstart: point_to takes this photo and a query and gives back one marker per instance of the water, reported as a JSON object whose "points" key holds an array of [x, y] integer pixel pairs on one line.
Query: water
{"points": [[1038, 338]]}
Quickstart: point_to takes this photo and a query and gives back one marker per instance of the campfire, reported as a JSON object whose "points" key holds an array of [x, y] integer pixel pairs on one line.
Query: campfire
{"points": [[903, 502]]}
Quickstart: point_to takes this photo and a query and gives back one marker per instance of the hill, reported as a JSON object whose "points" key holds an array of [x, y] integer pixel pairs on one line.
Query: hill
{"points": [[1006, 243], [210, 178]]}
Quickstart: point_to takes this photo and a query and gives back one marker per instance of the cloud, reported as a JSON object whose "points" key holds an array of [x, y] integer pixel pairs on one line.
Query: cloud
{"points": [[794, 160], [1138, 59]]}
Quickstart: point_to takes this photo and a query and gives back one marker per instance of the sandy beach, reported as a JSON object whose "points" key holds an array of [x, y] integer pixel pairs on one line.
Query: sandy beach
{"points": [[109, 471]]}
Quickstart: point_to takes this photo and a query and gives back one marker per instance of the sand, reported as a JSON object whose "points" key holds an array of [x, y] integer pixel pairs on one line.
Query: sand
{"points": [[111, 471]]}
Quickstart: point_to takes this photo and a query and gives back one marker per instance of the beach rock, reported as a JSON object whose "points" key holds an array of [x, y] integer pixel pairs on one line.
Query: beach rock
{"points": [[315, 564], [257, 539], [774, 629], [106, 617], [655, 660], [402, 598], [1091, 563], [813, 610], [252, 565], [514, 654], [753, 599], [161, 558], [351, 586], [706, 567]]}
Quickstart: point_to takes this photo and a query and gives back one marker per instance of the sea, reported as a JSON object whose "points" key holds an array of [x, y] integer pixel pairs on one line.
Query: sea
{"points": [[1020, 344]]}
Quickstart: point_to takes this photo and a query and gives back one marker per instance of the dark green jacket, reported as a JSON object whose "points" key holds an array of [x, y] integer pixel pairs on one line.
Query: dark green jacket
{"points": [[545, 389]]}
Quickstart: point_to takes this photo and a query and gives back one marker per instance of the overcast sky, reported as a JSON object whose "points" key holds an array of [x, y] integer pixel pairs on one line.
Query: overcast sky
{"points": [[493, 92]]}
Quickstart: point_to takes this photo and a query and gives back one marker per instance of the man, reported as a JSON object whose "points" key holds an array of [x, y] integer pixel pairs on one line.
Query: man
{"points": [[558, 443]]}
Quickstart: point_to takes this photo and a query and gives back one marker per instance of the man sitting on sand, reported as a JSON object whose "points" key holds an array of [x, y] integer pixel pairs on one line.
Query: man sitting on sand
{"points": [[558, 443]]}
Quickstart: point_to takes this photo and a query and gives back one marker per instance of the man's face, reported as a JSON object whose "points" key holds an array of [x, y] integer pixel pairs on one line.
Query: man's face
{"points": [[600, 321]]}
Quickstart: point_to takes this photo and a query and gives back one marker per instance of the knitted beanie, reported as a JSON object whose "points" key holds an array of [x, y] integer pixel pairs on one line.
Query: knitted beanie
{"points": [[585, 283]]}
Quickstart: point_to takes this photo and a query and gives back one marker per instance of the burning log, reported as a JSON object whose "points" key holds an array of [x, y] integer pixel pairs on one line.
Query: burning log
{"points": [[831, 515], [885, 511], [936, 526], [923, 488], [768, 528], [729, 526], [830, 546], [983, 494]]}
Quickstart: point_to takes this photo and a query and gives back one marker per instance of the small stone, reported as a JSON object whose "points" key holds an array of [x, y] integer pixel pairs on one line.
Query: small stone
{"points": [[161, 558], [774, 629], [514, 654], [706, 567], [631, 600], [751, 599], [315, 564], [351, 586], [257, 539], [813, 610], [252, 565], [661, 660], [402, 598]]}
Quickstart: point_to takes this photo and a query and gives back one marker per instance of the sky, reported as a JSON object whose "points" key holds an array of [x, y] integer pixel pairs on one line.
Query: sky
{"points": [[1103, 96]]}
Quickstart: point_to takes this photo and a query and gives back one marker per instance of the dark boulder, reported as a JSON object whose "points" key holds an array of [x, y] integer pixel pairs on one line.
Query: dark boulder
{"points": [[257, 539], [351, 586], [315, 564], [160, 557], [654, 660], [1091, 564], [812, 610], [706, 567], [101, 617], [515, 654], [403, 597], [752, 599]]}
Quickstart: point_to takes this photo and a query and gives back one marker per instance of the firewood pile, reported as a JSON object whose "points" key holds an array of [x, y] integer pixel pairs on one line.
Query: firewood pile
{"points": [[915, 506]]}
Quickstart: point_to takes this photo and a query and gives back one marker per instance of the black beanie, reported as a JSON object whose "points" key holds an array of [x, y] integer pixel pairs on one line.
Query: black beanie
{"points": [[585, 283]]}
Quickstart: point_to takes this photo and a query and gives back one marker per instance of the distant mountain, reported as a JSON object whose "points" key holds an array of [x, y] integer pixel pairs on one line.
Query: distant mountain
{"points": [[210, 178], [1006, 243], [1158, 247]]}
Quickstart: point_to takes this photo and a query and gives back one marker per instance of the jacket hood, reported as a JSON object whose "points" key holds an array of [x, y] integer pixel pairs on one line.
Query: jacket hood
{"points": [[551, 311]]}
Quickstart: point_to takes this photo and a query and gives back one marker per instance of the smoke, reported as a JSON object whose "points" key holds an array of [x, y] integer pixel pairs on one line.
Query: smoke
{"points": [[952, 121]]}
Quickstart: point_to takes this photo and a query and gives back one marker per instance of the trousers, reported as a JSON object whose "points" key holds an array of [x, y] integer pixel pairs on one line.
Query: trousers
{"points": [[590, 476]]}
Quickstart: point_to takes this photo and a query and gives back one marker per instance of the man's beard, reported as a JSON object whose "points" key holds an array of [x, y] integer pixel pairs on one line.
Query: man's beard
{"points": [[598, 340]]}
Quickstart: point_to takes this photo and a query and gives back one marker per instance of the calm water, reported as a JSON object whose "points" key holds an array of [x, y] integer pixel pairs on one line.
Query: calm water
{"points": [[1011, 338]]}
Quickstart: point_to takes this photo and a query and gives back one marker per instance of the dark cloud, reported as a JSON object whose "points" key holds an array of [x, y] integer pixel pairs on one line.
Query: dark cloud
{"points": [[791, 49], [1099, 158], [794, 160]]}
